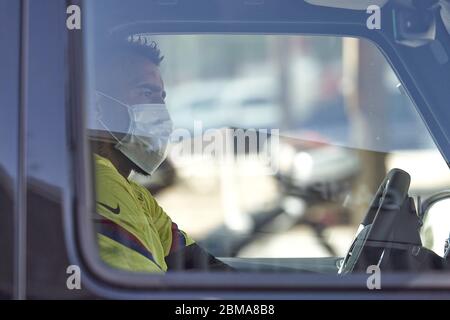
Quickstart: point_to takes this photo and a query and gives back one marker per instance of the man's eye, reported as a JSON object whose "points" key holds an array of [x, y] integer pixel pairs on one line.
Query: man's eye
{"points": [[146, 92]]}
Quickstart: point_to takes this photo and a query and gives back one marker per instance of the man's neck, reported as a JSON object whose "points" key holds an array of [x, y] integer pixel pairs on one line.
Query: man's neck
{"points": [[117, 159], [120, 162]]}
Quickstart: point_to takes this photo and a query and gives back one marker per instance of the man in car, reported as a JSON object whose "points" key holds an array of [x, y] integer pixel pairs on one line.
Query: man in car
{"points": [[129, 130]]}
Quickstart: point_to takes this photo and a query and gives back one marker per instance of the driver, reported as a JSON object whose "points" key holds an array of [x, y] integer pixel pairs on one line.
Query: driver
{"points": [[129, 129]]}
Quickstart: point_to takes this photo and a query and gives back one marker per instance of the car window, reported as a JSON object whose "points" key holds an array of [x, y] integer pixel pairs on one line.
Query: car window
{"points": [[244, 152]]}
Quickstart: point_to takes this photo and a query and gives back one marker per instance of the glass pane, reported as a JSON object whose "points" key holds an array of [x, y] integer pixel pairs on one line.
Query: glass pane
{"points": [[251, 152]]}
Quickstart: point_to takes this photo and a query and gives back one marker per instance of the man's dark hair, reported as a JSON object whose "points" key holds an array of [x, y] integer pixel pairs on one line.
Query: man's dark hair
{"points": [[138, 45], [142, 46], [113, 51]]}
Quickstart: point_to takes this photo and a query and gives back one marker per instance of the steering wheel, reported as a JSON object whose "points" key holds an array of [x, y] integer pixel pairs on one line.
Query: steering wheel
{"points": [[374, 235]]}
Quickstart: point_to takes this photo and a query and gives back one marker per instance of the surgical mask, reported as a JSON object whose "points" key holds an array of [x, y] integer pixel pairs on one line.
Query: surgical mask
{"points": [[142, 136]]}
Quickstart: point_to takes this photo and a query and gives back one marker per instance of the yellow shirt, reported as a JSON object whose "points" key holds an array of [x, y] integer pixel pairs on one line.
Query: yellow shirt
{"points": [[134, 232]]}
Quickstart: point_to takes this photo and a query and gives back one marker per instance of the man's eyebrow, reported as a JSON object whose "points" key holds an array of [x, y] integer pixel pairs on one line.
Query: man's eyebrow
{"points": [[148, 86]]}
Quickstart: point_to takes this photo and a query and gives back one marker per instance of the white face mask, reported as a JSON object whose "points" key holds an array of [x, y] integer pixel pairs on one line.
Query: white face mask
{"points": [[145, 136]]}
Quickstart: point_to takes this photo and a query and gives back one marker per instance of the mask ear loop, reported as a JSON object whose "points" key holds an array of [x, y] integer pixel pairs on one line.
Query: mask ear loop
{"points": [[99, 119]]}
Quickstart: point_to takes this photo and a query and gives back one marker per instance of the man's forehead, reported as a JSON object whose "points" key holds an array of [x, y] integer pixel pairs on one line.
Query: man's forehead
{"points": [[143, 70]]}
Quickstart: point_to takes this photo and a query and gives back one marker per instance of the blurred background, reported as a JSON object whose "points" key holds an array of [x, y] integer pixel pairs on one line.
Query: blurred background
{"points": [[342, 123]]}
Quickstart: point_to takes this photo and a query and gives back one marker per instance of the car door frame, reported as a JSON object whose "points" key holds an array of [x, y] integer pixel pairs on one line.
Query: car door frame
{"points": [[116, 284]]}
